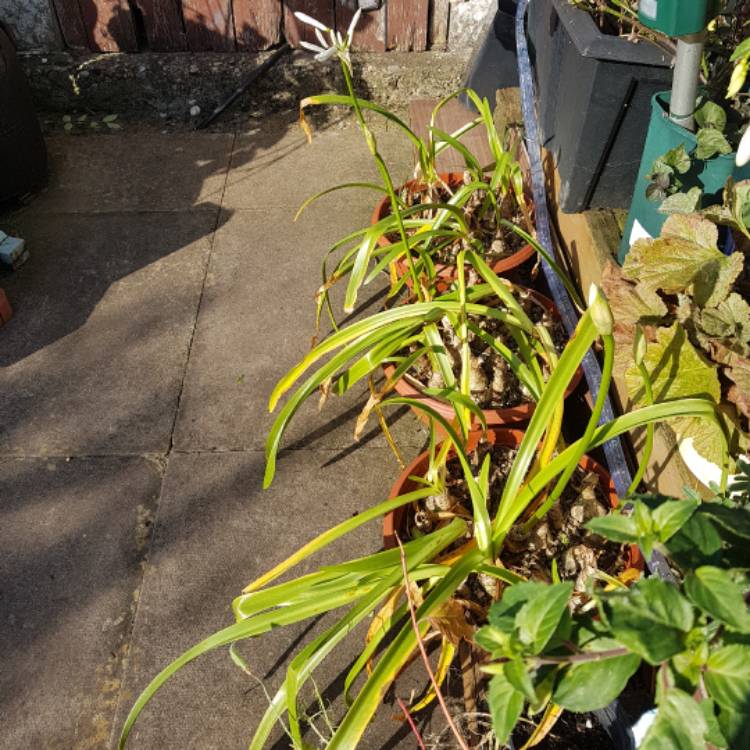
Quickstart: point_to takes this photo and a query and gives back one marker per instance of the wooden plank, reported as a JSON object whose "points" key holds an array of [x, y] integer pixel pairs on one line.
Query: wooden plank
{"points": [[71, 23], [439, 24], [257, 23], [162, 23], [109, 25], [450, 118], [208, 25], [369, 36], [407, 22], [295, 31]]}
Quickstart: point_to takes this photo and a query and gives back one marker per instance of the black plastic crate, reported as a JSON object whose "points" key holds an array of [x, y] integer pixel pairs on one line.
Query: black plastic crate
{"points": [[594, 92]]}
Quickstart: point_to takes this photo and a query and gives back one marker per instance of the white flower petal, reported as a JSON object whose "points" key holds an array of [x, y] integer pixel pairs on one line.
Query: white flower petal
{"points": [[339, 39], [326, 54], [352, 25], [743, 151], [323, 43], [312, 47], [310, 21]]}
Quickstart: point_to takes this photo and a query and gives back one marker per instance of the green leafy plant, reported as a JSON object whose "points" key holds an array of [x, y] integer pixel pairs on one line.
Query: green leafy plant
{"points": [[680, 291], [696, 634], [741, 59], [413, 592], [435, 326], [664, 178], [374, 585]]}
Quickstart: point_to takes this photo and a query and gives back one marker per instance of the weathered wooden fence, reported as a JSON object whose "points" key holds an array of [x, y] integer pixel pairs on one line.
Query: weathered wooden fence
{"points": [[228, 25]]}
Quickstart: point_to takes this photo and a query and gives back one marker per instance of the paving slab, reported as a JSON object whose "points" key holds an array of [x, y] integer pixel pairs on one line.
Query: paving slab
{"points": [[73, 535], [269, 171], [217, 530], [136, 172], [93, 359], [256, 322]]}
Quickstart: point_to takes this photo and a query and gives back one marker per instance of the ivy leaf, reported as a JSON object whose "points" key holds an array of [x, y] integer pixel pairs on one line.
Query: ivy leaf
{"points": [[711, 115], [678, 370], [682, 203], [617, 528], [679, 724], [655, 193], [727, 677], [538, 619], [651, 619], [710, 143], [672, 515], [714, 591], [677, 158], [595, 684], [506, 704]]}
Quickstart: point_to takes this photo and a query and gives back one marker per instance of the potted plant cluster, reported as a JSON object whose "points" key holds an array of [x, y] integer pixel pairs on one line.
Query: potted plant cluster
{"points": [[508, 543]]}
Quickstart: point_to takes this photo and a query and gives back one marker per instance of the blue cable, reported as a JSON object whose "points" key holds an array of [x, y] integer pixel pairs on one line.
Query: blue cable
{"points": [[615, 456], [613, 449]]}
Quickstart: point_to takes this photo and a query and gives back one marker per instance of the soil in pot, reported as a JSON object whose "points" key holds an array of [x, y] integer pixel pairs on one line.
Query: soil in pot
{"points": [[579, 731], [504, 249], [493, 383], [560, 538]]}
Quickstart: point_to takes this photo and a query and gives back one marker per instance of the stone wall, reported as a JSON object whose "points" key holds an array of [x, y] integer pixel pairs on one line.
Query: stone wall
{"points": [[168, 86], [33, 23]]}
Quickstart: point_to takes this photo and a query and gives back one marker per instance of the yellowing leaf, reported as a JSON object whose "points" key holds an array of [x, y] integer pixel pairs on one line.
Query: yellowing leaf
{"points": [[677, 370], [684, 257], [447, 652], [630, 303], [450, 620]]}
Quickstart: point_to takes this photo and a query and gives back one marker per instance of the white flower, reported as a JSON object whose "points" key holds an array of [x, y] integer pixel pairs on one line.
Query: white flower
{"points": [[352, 26], [335, 45], [310, 21], [743, 150]]}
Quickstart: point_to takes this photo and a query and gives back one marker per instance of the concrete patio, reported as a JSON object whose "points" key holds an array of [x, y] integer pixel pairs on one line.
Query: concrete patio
{"points": [[168, 289]]}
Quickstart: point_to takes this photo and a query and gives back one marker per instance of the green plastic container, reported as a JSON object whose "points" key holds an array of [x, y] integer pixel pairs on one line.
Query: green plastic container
{"points": [[677, 17], [711, 175]]}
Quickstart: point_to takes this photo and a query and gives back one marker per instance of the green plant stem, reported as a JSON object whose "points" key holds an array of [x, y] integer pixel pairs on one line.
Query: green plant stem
{"points": [[648, 447], [423, 651], [596, 413], [384, 173]]}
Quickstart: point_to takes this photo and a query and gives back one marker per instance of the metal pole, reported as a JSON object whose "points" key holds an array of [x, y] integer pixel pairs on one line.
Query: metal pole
{"points": [[685, 80]]}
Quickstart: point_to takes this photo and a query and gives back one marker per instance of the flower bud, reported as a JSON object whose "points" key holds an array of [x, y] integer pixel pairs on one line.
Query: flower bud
{"points": [[601, 314], [640, 345]]}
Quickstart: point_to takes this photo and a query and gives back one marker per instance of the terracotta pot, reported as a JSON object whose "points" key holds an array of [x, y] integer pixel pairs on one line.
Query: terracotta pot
{"points": [[494, 417], [396, 519], [446, 274]]}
